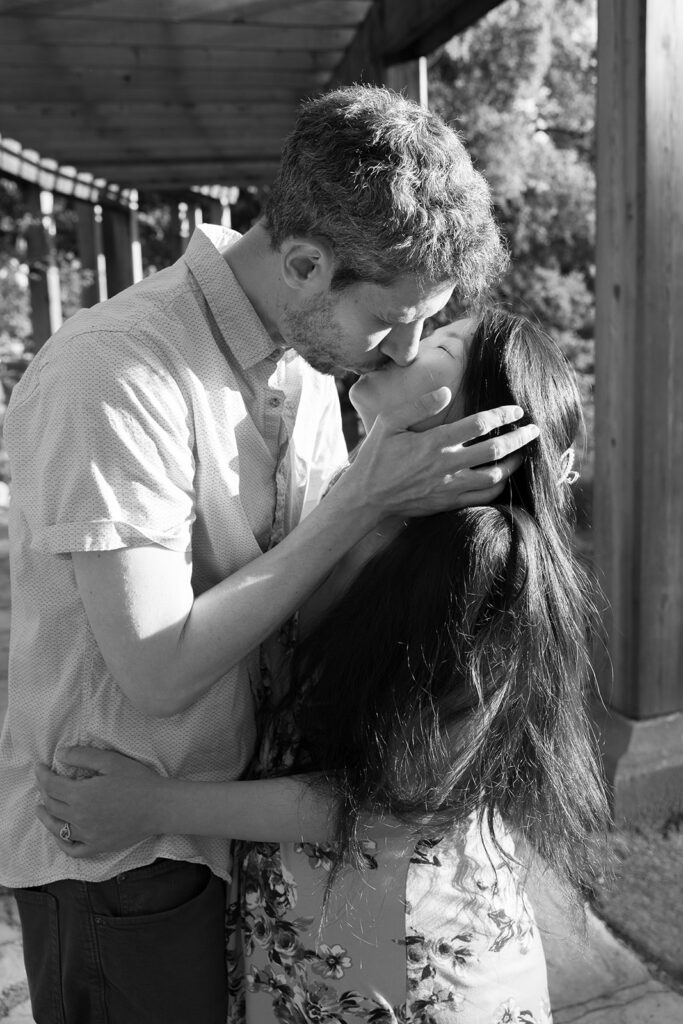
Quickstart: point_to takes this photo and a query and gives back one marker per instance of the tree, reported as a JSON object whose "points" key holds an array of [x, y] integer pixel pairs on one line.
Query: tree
{"points": [[520, 87]]}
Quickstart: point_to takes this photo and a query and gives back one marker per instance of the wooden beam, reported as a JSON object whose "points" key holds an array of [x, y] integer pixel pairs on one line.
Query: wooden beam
{"points": [[412, 30], [362, 61], [27, 166], [638, 515]]}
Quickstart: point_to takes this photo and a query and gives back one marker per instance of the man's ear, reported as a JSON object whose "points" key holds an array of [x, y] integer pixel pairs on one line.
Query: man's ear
{"points": [[306, 264]]}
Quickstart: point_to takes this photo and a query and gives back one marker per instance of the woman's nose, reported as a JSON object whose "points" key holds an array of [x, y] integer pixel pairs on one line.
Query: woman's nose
{"points": [[402, 343]]}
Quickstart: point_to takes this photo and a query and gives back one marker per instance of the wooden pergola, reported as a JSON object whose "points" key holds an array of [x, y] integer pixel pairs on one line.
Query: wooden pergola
{"points": [[102, 98]]}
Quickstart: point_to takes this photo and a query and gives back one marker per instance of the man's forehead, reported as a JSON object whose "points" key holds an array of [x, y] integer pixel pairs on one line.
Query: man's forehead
{"points": [[409, 299]]}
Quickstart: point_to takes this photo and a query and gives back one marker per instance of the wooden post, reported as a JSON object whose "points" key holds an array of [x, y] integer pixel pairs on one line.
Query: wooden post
{"points": [[409, 78], [87, 250], [135, 247], [638, 514], [214, 211], [175, 226], [117, 248], [99, 254], [184, 225], [44, 285]]}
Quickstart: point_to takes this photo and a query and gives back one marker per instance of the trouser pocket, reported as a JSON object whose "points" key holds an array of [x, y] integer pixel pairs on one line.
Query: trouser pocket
{"points": [[39, 915], [167, 967]]}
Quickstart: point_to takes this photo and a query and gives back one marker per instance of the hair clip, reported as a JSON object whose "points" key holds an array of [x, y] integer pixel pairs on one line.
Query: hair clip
{"points": [[569, 475]]}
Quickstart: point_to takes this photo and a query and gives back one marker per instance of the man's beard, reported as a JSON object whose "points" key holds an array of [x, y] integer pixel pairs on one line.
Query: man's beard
{"points": [[314, 335]]}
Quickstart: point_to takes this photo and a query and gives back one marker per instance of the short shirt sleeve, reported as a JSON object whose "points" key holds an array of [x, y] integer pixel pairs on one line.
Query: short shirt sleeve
{"points": [[100, 441]]}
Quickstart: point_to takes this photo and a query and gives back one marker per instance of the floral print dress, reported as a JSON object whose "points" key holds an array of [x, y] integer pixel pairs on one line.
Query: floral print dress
{"points": [[429, 932]]}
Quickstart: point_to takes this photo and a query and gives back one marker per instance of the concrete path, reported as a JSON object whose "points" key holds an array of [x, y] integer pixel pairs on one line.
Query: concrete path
{"points": [[594, 978]]}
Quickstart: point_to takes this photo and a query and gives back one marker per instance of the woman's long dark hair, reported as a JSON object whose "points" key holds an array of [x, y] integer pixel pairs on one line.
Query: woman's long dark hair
{"points": [[450, 678]]}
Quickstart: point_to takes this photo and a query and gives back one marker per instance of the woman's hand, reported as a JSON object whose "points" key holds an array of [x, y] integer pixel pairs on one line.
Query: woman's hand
{"points": [[115, 808]]}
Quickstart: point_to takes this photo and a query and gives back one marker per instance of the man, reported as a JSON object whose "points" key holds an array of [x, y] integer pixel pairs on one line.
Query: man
{"points": [[163, 448]]}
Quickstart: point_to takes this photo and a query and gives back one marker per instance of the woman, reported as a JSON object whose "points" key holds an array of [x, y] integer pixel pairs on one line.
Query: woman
{"points": [[434, 706]]}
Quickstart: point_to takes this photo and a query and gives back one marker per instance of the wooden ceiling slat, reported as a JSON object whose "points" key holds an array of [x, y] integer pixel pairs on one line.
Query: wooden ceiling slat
{"points": [[178, 10], [84, 32], [256, 12], [81, 135], [133, 58], [31, 92], [31, 8], [65, 113], [14, 79], [101, 85], [316, 13], [49, 129]]}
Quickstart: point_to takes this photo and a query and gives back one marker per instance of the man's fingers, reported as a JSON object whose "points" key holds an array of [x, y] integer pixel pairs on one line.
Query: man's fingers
{"points": [[469, 429], [488, 478], [419, 409], [495, 449]]}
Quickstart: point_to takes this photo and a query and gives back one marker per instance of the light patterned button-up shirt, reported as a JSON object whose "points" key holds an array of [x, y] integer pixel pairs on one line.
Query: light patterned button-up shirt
{"points": [[163, 416]]}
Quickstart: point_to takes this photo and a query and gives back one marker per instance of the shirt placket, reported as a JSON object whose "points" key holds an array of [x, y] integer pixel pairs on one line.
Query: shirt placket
{"points": [[278, 438], [284, 405]]}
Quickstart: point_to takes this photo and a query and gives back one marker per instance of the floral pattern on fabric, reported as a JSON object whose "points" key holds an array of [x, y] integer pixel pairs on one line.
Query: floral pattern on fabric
{"points": [[431, 932], [296, 974]]}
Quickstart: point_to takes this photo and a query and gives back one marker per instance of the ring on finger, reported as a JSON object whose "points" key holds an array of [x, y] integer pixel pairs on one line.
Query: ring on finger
{"points": [[65, 832]]}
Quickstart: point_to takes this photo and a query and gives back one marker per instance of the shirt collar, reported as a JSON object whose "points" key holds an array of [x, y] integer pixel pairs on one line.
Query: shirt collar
{"points": [[234, 314]]}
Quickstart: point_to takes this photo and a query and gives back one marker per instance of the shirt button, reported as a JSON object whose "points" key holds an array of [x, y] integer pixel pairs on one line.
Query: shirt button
{"points": [[274, 402]]}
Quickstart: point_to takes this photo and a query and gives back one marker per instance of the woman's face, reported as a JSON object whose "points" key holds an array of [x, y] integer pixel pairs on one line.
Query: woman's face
{"points": [[440, 361]]}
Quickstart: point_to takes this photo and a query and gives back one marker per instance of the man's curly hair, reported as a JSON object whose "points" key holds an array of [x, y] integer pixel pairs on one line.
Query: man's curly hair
{"points": [[390, 187]]}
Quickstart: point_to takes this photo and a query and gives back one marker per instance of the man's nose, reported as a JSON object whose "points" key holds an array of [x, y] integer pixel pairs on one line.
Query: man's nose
{"points": [[402, 343]]}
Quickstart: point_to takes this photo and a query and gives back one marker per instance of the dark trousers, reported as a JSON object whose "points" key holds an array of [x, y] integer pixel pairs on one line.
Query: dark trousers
{"points": [[144, 947]]}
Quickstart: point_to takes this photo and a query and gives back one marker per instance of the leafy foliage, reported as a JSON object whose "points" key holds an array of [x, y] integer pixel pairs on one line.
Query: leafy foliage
{"points": [[520, 87]]}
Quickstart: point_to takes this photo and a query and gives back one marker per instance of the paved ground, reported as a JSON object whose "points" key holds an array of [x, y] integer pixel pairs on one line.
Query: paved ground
{"points": [[594, 978]]}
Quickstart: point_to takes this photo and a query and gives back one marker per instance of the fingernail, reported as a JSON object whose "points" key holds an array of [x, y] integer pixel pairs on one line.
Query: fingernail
{"points": [[534, 430]]}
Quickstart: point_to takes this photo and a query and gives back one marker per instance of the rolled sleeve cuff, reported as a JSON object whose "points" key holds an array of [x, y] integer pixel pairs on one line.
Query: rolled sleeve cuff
{"points": [[109, 535]]}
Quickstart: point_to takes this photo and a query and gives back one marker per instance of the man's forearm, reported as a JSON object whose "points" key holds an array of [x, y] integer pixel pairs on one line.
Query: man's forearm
{"points": [[164, 646], [234, 617]]}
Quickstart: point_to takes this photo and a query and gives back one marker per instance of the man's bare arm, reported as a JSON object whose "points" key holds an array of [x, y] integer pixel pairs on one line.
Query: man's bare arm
{"points": [[165, 647]]}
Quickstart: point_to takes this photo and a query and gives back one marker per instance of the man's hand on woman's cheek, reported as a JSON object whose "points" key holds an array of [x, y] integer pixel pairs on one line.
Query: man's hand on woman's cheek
{"points": [[405, 473]]}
